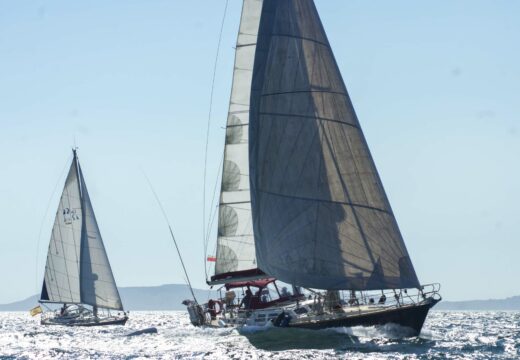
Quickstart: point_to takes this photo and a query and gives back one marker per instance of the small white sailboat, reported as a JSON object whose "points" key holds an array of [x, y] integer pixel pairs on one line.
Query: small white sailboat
{"points": [[301, 199], [77, 272]]}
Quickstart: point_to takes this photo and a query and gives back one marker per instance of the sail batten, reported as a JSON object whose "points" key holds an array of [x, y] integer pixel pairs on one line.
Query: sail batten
{"points": [[321, 217]]}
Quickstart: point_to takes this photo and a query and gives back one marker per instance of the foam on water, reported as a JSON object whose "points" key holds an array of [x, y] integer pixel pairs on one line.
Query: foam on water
{"points": [[461, 335]]}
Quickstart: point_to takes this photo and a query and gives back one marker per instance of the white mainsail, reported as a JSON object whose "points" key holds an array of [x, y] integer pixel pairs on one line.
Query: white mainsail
{"points": [[77, 269], [320, 214], [61, 282], [235, 242]]}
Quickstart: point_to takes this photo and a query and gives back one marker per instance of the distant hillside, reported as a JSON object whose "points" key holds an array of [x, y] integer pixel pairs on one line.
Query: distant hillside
{"points": [[21, 305], [170, 297], [511, 303], [164, 297]]}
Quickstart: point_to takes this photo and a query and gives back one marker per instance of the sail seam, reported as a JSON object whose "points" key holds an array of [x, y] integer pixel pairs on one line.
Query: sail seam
{"points": [[302, 38], [309, 117], [325, 201], [243, 69], [244, 45], [235, 202], [305, 91], [232, 237]]}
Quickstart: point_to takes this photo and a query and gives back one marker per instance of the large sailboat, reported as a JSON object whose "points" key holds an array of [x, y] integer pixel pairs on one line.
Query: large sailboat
{"points": [[301, 199], [77, 274]]}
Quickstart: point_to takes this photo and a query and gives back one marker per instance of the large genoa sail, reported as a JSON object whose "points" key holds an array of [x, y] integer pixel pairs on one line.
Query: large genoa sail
{"points": [[98, 286], [320, 214], [77, 269], [235, 257]]}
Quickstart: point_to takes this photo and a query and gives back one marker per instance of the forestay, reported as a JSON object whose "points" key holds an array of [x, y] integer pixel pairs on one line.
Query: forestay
{"points": [[320, 213], [235, 244]]}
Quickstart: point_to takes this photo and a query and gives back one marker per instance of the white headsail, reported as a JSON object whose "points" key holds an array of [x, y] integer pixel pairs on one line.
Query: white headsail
{"points": [[321, 216], [98, 286]]}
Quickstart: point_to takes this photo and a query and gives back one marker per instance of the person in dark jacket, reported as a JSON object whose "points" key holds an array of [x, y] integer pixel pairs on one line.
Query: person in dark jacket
{"points": [[246, 300]]}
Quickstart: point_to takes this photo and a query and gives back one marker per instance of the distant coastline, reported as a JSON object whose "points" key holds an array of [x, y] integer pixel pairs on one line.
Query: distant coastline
{"points": [[141, 298], [170, 297], [510, 303]]}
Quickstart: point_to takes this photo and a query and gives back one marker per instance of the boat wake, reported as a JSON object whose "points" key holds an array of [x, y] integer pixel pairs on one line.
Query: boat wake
{"points": [[389, 331], [251, 329]]}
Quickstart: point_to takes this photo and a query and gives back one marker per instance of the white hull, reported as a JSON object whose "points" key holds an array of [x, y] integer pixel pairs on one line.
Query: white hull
{"points": [[80, 316], [84, 321]]}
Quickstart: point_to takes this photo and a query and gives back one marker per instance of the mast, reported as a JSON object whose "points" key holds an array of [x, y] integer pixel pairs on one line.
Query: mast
{"points": [[76, 164]]}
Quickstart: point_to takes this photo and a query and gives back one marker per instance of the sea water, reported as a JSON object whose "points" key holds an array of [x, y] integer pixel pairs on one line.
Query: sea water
{"points": [[446, 335]]}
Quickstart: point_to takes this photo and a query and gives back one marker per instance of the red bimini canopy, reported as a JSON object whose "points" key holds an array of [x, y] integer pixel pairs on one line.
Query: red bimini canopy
{"points": [[261, 283]]}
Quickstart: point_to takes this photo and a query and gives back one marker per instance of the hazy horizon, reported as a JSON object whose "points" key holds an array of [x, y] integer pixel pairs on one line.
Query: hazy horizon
{"points": [[435, 87], [182, 289]]}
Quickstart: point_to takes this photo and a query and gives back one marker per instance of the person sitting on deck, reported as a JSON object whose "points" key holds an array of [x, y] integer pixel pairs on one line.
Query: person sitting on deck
{"points": [[63, 309], [246, 300], [382, 299]]}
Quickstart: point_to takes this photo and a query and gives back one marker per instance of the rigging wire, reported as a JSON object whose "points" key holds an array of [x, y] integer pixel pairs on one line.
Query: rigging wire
{"points": [[213, 213], [213, 198], [45, 216], [187, 280], [207, 132]]}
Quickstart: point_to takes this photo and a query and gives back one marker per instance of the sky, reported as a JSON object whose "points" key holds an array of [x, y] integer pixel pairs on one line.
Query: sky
{"points": [[436, 87]]}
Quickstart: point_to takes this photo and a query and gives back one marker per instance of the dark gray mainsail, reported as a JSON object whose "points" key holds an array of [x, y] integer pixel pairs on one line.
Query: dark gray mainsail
{"points": [[77, 269], [321, 217], [235, 257]]}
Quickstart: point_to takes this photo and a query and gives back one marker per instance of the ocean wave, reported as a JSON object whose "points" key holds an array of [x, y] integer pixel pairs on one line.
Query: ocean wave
{"points": [[471, 335]]}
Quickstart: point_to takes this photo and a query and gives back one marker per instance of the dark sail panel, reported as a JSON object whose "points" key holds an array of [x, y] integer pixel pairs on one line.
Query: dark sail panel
{"points": [[321, 218], [44, 295]]}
